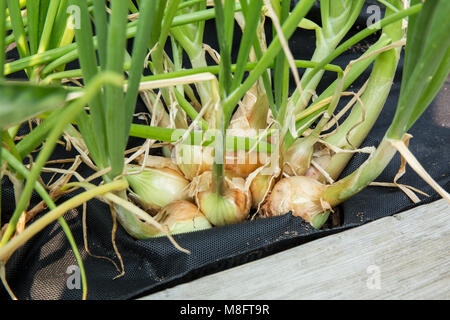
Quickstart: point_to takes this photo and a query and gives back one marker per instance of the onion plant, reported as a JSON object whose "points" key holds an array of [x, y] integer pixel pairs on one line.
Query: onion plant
{"points": [[224, 139]]}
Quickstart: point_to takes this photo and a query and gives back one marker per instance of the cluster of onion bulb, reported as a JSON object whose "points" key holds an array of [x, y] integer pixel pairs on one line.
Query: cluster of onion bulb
{"points": [[185, 205], [182, 194], [164, 193]]}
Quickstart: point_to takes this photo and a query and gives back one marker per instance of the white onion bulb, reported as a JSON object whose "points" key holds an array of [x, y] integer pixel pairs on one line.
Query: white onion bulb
{"points": [[194, 160], [231, 207], [260, 188], [299, 194], [297, 158], [156, 188], [242, 164], [182, 216]]}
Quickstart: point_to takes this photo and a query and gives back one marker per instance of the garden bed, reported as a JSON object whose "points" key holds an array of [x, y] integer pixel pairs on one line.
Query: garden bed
{"points": [[43, 268]]}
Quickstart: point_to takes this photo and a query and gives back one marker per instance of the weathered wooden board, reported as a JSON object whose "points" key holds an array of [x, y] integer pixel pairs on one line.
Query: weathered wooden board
{"points": [[400, 257]]}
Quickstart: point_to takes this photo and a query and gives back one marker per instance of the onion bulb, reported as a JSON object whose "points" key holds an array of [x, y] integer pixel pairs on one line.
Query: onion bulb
{"points": [[242, 164], [194, 160], [253, 112], [182, 216], [260, 188], [300, 195], [322, 157], [156, 188], [231, 207], [297, 158]]}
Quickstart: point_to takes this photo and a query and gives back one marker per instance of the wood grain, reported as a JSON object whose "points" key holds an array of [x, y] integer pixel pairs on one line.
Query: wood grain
{"points": [[408, 253]]}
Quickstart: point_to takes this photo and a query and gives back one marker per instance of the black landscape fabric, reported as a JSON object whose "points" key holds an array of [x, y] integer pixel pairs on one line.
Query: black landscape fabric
{"points": [[43, 267]]}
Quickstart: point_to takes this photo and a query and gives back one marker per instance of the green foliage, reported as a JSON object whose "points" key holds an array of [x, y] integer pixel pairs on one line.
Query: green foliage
{"points": [[22, 101], [427, 64]]}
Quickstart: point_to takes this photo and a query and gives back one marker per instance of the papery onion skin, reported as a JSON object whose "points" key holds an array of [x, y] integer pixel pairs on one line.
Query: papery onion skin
{"points": [[314, 173], [299, 194], [260, 188], [243, 164], [322, 159], [232, 207], [183, 216], [157, 188], [194, 160], [297, 158]]}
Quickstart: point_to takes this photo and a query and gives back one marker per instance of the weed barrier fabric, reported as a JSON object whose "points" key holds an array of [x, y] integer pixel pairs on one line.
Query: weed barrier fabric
{"points": [[43, 268]]}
